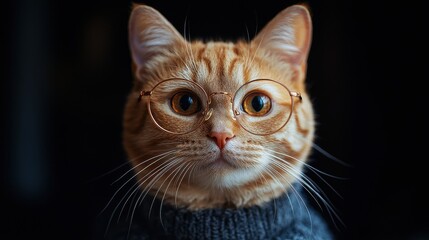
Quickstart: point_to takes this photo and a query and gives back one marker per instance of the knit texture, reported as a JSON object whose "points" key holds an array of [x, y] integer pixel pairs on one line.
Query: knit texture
{"points": [[287, 217]]}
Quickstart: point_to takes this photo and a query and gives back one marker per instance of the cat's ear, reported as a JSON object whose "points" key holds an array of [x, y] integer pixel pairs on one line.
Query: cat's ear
{"points": [[150, 36], [288, 35]]}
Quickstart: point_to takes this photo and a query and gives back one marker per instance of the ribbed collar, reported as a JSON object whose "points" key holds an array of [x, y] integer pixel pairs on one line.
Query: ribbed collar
{"points": [[257, 222]]}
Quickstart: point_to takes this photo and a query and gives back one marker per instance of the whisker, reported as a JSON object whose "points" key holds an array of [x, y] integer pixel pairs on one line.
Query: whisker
{"points": [[184, 28], [264, 182], [313, 169], [330, 156], [143, 162], [155, 180], [247, 33], [192, 171], [161, 156], [300, 175], [135, 186], [312, 188], [150, 185], [298, 178], [126, 163], [122, 199], [177, 170], [322, 151], [154, 176], [140, 184], [110, 171], [133, 189], [186, 169], [257, 48], [297, 193], [133, 200], [187, 36]]}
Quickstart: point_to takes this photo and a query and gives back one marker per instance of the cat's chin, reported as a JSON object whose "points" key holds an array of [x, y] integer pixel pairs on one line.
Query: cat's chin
{"points": [[220, 163], [225, 193], [222, 175]]}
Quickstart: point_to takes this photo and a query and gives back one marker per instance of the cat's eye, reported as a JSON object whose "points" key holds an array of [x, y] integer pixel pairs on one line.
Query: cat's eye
{"points": [[185, 103], [256, 104]]}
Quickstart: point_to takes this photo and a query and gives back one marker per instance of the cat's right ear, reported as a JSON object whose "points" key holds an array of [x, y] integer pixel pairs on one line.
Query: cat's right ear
{"points": [[288, 36], [151, 36]]}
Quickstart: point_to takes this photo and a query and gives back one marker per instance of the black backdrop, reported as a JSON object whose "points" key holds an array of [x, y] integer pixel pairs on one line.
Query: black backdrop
{"points": [[66, 73]]}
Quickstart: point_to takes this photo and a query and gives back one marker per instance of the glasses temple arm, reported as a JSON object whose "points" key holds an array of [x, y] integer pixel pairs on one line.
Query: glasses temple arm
{"points": [[143, 93], [296, 94]]}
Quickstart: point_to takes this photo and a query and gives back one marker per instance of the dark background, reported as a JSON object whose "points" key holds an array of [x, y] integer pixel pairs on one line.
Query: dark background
{"points": [[66, 74]]}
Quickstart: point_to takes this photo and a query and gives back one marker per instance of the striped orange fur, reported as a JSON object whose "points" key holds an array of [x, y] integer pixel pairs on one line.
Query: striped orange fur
{"points": [[177, 168]]}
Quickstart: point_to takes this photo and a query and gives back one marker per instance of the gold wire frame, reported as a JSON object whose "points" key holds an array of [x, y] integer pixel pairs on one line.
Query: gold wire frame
{"points": [[207, 111]]}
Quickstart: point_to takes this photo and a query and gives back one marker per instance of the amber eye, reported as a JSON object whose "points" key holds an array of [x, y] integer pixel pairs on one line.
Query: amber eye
{"points": [[185, 103], [256, 104]]}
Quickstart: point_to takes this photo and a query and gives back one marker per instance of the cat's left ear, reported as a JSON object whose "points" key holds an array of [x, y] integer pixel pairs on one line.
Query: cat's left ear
{"points": [[151, 37], [288, 36]]}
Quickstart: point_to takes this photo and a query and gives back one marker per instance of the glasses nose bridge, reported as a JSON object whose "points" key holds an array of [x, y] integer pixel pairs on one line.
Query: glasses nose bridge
{"points": [[209, 111], [219, 93]]}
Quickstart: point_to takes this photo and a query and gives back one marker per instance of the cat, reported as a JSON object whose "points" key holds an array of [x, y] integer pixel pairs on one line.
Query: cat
{"points": [[203, 126]]}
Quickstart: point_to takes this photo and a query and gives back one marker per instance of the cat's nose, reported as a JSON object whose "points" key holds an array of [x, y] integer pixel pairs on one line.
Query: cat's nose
{"points": [[220, 138]]}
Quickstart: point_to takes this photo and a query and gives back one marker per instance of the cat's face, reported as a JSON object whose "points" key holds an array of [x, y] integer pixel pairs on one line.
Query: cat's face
{"points": [[219, 163]]}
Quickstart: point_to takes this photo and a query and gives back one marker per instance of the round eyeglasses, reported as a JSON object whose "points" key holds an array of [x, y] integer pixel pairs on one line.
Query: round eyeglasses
{"points": [[180, 106]]}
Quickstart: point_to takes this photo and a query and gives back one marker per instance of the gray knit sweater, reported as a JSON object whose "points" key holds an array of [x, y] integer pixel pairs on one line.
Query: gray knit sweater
{"points": [[283, 218]]}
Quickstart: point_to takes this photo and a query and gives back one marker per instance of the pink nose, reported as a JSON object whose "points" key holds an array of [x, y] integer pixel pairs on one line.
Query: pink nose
{"points": [[220, 138]]}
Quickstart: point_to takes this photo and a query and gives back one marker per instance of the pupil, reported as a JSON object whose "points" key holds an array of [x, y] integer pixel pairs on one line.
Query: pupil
{"points": [[185, 102], [257, 103]]}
